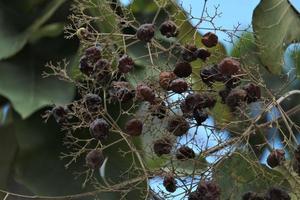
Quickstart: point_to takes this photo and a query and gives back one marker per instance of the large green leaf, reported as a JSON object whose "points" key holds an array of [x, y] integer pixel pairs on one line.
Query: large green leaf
{"points": [[21, 78], [292, 177], [242, 173], [13, 40], [276, 24], [37, 164], [8, 152]]}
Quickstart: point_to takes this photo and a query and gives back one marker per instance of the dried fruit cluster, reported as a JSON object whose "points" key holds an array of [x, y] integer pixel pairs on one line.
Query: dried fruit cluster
{"points": [[105, 85]]}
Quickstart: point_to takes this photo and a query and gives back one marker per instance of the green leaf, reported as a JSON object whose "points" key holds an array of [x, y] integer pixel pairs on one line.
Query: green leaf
{"points": [[21, 78], [37, 164], [241, 173], [292, 177], [50, 30], [12, 41], [276, 24], [8, 152]]}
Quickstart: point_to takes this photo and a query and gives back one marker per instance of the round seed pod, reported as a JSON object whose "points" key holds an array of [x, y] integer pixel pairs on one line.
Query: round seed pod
{"points": [[197, 101], [189, 53], [94, 159], [145, 93], [170, 183], [184, 153], [210, 39], [84, 66], [183, 69], [236, 97], [158, 108], [229, 66], [210, 74], [162, 146], [276, 158], [203, 54], [178, 126], [209, 190], [102, 69], [224, 94], [232, 82], [121, 91], [93, 54], [60, 114], [145, 32], [168, 29], [253, 92], [190, 102], [179, 86], [252, 196], [277, 194], [165, 79], [99, 129], [194, 196], [125, 64], [134, 127], [92, 102], [205, 100], [200, 116]]}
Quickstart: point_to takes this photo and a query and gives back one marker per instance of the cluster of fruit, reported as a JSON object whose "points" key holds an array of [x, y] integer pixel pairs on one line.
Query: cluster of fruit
{"points": [[107, 84]]}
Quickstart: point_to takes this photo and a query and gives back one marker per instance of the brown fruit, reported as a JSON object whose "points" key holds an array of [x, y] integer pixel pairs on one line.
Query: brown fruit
{"points": [[208, 190], [211, 74], [102, 70], [121, 91], [178, 126], [93, 54], [189, 53], [276, 158], [252, 196], [236, 97], [92, 102], [190, 102], [168, 29], [229, 66], [165, 79], [169, 183], [94, 159], [145, 32], [158, 108], [194, 196], [145, 93], [60, 114], [224, 94], [253, 92], [125, 64], [184, 153], [210, 39], [200, 116], [203, 54], [99, 129], [85, 67], [277, 194], [179, 86], [183, 69], [205, 101], [162, 146], [134, 127]]}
